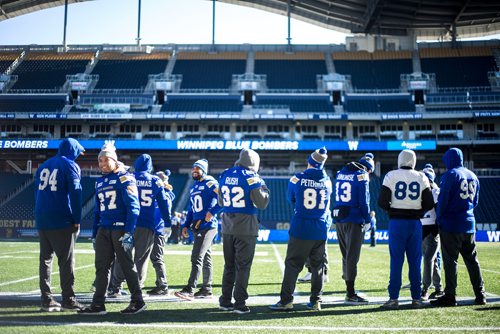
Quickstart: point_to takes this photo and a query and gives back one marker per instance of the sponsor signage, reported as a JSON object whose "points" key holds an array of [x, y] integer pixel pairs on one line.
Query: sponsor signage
{"points": [[226, 145], [7, 115], [402, 116], [47, 116], [487, 114]]}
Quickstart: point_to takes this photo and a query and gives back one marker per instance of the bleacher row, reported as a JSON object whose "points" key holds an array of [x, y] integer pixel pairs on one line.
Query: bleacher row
{"points": [[21, 207], [378, 70]]}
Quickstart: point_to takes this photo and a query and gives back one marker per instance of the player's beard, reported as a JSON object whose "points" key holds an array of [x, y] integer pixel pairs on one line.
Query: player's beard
{"points": [[197, 177]]}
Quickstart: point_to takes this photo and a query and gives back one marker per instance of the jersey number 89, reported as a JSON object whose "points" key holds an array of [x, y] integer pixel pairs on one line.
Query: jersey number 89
{"points": [[402, 190]]}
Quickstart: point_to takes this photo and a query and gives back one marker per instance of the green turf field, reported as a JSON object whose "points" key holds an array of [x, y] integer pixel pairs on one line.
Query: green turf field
{"points": [[19, 298]]}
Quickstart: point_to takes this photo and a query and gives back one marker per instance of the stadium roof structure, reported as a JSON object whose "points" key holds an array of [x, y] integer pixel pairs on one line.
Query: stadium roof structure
{"points": [[422, 18]]}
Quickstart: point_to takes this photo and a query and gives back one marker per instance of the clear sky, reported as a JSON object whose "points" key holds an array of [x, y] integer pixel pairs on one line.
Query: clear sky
{"points": [[162, 22]]}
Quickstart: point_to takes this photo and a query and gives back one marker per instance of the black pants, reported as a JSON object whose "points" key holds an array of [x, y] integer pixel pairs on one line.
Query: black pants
{"points": [[453, 244], [62, 243], [296, 254], [238, 257], [107, 247], [350, 237]]}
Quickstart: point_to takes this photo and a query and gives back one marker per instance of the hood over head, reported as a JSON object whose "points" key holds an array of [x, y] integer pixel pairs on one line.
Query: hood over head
{"points": [[453, 158], [143, 163], [407, 158], [70, 148], [248, 159]]}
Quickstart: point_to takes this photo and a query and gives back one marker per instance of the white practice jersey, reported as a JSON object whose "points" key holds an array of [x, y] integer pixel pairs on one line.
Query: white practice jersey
{"points": [[406, 187], [430, 216]]}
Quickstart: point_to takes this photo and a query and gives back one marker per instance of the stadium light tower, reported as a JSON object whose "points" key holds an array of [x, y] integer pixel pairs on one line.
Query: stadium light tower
{"points": [[139, 25], [65, 45]]}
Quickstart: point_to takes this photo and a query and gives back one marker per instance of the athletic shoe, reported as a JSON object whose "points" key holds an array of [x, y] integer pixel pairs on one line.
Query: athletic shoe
{"points": [[425, 294], [158, 291], [115, 293], [355, 299], [50, 305], [480, 300], [93, 310], [314, 306], [444, 301], [417, 303], [71, 305], [134, 308], [185, 294], [229, 307], [279, 306], [241, 310], [436, 294], [306, 278], [203, 293], [391, 304]]}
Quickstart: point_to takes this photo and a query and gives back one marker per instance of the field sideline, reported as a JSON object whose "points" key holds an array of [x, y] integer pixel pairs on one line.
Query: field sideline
{"points": [[20, 301]]}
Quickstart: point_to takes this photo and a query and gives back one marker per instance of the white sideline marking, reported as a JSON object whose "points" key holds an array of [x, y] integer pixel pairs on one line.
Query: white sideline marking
{"points": [[171, 252], [253, 327], [38, 276], [281, 263]]}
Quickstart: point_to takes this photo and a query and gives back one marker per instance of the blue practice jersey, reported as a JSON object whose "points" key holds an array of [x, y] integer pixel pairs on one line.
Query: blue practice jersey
{"points": [[58, 189], [236, 183], [309, 192], [458, 196], [151, 194], [203, 199], [116, 202], [352, 195]]}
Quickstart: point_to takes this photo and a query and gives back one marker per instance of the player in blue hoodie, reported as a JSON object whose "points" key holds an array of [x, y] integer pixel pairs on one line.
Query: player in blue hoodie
{"points": [[352, 218], [115, 217], [163, 230], [151, 193], [309, 192], [58, 212], [201, 219], [459, 195]]}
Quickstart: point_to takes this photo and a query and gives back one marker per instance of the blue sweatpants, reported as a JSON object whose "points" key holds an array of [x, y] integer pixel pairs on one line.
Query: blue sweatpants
{"points": [[405, 236]]}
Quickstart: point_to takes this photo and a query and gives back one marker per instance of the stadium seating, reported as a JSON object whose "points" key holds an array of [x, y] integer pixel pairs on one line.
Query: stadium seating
{"points": [[21, 206], [6, 59], [10, 182], [445, 62], [48, 70], [380, 70], [279, 210], [489, 197], [309, 103], [32, 103], [290, 74], [123, 71], [379, 103]]}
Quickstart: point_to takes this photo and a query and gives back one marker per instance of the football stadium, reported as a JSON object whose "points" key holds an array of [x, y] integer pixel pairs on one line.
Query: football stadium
{"points": [[411, 75]]}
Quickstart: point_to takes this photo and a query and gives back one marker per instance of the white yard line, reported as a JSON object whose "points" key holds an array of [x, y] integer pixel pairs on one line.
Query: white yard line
{"points": [[252, 327], [281, 263], [38, 277]]}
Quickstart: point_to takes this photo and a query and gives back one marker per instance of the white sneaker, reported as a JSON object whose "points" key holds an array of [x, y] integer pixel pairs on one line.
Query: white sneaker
{"points": [[306, 278]]}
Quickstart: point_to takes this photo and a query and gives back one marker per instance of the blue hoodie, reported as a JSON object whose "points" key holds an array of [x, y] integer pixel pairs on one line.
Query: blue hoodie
{"points": [[151, 193], [58, 189], [309, 192], [459, 194]]}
